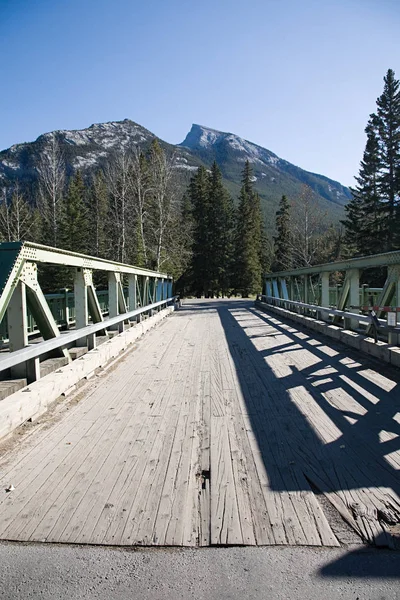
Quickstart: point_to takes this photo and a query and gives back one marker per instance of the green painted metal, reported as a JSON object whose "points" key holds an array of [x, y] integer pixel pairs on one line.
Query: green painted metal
{"points": [[364, 262], [300, 284], [49, 313], [11, 265]]}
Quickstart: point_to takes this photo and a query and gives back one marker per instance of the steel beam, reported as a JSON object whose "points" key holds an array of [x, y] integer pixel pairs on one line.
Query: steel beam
{"points": [[94, 306], [324, 279], [364, 262], [82, 280], [391, 288], [17, 318], [10, 359], [113, 297], [81, 299], [39, 253], [38, 306], [284, 290], [17, 326], [132, 291]]}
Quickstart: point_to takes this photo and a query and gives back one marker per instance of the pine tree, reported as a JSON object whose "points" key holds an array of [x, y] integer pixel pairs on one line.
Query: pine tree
{"points": [[183, 284], [374, 212], [248, 238], [332, 247], [282, 241], [75, 219], [387, 122], [220, 233], [266, 252], [364, 213], [199, 198]]}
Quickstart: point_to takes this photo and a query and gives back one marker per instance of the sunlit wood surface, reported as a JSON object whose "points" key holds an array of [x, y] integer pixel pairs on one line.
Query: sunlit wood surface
{"points": [[223, 426]]}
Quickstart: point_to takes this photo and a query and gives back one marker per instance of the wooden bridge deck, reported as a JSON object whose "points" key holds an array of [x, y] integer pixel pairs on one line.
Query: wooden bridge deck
{"points": [[220, 428]]}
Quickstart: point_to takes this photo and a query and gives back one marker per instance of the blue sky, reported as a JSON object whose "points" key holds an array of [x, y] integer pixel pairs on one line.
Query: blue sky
{"points": [[299, 77]]}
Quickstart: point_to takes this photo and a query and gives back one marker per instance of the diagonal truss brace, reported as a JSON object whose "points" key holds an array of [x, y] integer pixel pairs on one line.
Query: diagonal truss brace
{"points": [[29, 287]]}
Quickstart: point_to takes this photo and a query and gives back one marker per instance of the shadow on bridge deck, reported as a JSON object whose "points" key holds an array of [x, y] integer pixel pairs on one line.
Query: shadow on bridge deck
{"points": [[326, 418], [226, 426]]}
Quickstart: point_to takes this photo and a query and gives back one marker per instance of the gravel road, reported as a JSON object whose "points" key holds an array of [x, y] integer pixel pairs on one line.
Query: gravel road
{"points": [[55, 572]]}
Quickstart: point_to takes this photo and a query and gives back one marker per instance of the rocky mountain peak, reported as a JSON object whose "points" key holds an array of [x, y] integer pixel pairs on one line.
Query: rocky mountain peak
{"points": [[93, 148], [201, 137]]}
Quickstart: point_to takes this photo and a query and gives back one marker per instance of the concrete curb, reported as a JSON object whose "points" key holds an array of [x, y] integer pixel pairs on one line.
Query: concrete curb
{"points": [[382, 350], [33, 400]]}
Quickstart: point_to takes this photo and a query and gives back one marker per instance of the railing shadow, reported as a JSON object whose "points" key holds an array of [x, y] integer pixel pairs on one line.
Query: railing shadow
{"points": [[359, 432], [315, 423]]}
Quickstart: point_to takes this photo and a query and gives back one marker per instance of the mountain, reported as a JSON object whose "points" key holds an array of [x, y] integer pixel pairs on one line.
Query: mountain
{"points": [[90, 149], [273, 176]]}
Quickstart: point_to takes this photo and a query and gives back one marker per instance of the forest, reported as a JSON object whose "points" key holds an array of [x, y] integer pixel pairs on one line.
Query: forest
{"points": [[133, 211]]}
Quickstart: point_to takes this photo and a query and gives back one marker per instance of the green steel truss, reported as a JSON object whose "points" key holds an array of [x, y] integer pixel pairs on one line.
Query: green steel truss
{"points": [[312, 285], [20, 290]]}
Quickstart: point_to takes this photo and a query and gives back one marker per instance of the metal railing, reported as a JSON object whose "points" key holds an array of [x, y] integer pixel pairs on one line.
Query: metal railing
{"points": [[364, 308], [34, 352], [132, 292], [352, 321]]}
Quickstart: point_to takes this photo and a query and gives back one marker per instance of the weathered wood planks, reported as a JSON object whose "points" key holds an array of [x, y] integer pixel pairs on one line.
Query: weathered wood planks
{"points": [[214, 430]]}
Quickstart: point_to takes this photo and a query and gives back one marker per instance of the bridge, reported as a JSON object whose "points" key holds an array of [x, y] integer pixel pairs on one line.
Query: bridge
{"points": [[130, 418]]}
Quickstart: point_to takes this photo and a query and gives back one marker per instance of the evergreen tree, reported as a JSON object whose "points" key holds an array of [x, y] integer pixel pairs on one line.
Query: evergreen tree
{"points": [[220, 233], [373, 215], [266, 252], [248, 239], [364, 220], [200, 198], [75, 219], [332, 246], [183, 283], [387, 122], [282, 241]]}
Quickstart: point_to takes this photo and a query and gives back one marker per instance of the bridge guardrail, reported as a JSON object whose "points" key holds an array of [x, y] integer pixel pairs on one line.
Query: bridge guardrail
{"points": [[131, 292], [35, 351], [371, 322]]}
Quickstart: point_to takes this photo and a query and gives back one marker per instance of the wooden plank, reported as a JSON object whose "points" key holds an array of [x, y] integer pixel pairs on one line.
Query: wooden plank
{"points": [[177, 436], [210, 434], [129, 492], [225, 524]]}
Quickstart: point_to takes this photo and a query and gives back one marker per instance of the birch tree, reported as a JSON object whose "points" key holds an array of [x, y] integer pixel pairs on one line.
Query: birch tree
{"points": [[119, 183], [164, 204], [307, 225], [51, 171], [18, 220], [141, 185]]}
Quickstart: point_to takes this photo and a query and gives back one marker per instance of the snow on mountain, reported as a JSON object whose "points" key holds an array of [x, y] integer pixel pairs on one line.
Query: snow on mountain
{"points": [[92, 148], [83, 149], [231, 151], [112, 135], [205, 138]]}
